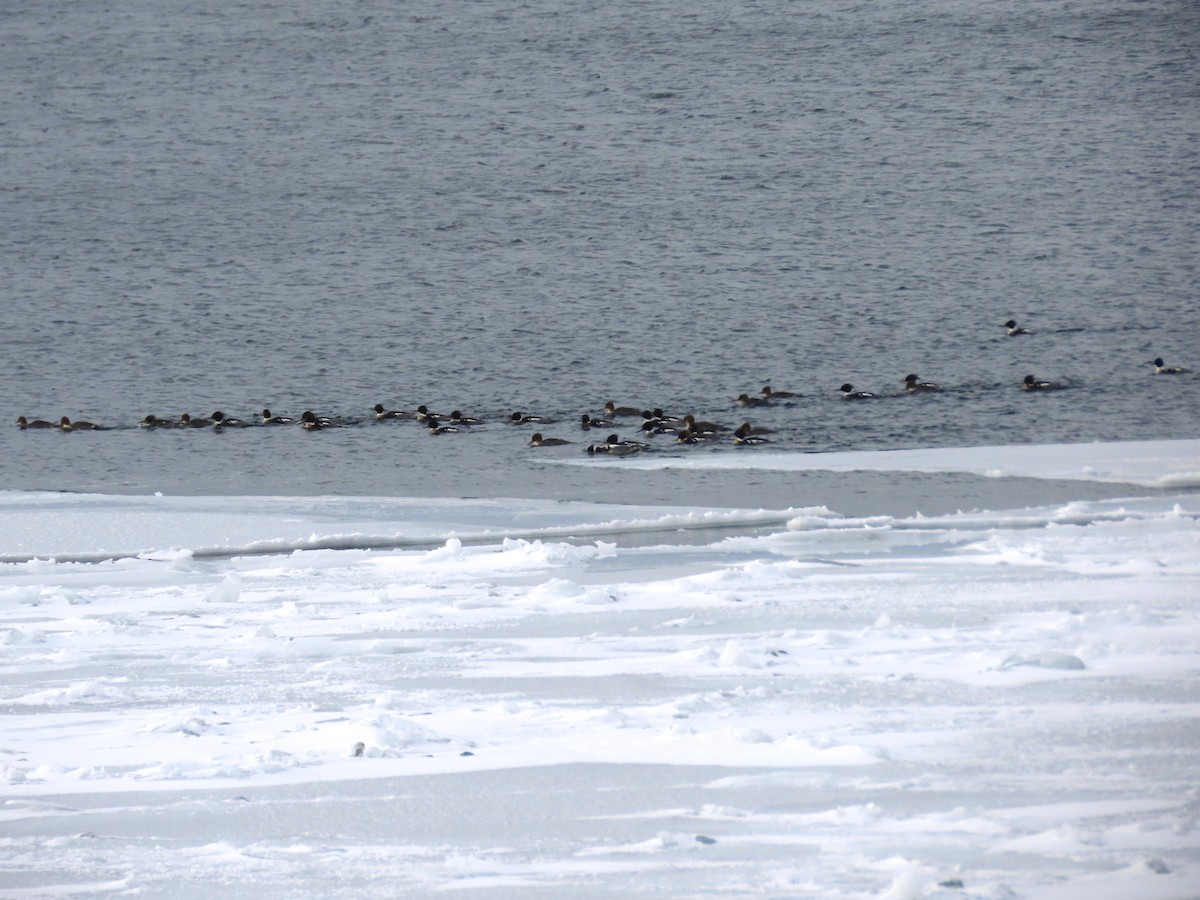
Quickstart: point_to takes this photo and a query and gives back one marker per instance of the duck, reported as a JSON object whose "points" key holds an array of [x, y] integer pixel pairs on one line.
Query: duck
{"points": [[747, 400], [1014, 330], [690, 424], [186, 421], [617, 447], [310, 421], [434, 426], [769, 394], [423, 414], [518, 418], [457, 418], [657, 426], [1160, 368], [663, 417], [153, 421], [268, 419], [919, 387], [1032, 384], [24, 423], [744, 440], [220, 420], [849, 393], [691, 436], [746, 429], [611, 409], [538, 441], [67, 425], [586, 421], [382, 413]]}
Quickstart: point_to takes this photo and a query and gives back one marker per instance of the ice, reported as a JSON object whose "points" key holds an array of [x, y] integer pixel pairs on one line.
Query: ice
{"points": [[991, 703]]}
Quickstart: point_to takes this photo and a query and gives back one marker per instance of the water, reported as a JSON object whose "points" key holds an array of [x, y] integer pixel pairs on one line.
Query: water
{"points": [[495, 206]]}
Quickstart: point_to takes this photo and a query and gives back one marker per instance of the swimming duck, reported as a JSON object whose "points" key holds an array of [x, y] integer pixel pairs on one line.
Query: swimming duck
{"points": [[691, 436], [615, 446], [382, 413], [186, 421], [919, 387], [657, 426], [538, 441], [220, 420], [24, 423], [153, 421], [268, 419], [1162, 369], [1032, 384], [663, 417], [457, 418], [1014, 330], [586, 421], [520, 419], [690, 424], [743, 440], [849, 393], [434, 426], [611, 409], [423, 414], [310, 421], [769, 394], [746, 429], [747, 400], [67, 425]]}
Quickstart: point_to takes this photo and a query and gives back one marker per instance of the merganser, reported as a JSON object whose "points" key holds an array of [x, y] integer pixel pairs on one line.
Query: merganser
{"points": [[586, 421], [538, 441], [746, 429], [1032, 384], [67, 425], [24, 423], [1161, 369], [268, 419], [663, 417], [1013, 330], [691, 436], [423, 414], [381, 413], [743, 440], [436, 427], [690, 424], [849, 393], [612, 409], [312, 422], [617, 447], [747, 400], [519, 419], [220, 420], [777, 395], [457, 418], [919, 387], [186, 421]]}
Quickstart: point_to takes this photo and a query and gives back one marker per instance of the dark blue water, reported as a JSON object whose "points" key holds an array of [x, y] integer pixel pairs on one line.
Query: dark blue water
{"points": [[496, 206]]}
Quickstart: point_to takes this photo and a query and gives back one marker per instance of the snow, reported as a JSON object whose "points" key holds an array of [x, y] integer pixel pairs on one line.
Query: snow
{"points": [[506, 698]]}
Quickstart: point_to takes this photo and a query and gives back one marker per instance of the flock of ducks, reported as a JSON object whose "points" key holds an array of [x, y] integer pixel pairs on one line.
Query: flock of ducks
{"points": [[685, 429]]}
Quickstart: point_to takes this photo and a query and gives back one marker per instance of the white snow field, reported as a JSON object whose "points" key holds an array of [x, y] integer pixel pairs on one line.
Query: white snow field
{"points": [[269, 697]]}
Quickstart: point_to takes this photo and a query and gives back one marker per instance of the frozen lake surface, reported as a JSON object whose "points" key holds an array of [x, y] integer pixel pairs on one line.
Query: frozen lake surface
{"points": [[532, 698]]}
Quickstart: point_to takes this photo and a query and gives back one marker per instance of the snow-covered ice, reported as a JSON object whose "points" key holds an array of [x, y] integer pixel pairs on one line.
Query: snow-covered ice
{"points": [[407, 697]]}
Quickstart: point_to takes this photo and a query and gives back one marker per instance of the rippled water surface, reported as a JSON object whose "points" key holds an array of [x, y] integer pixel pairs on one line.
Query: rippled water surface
{"points": [[543, 206]]}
